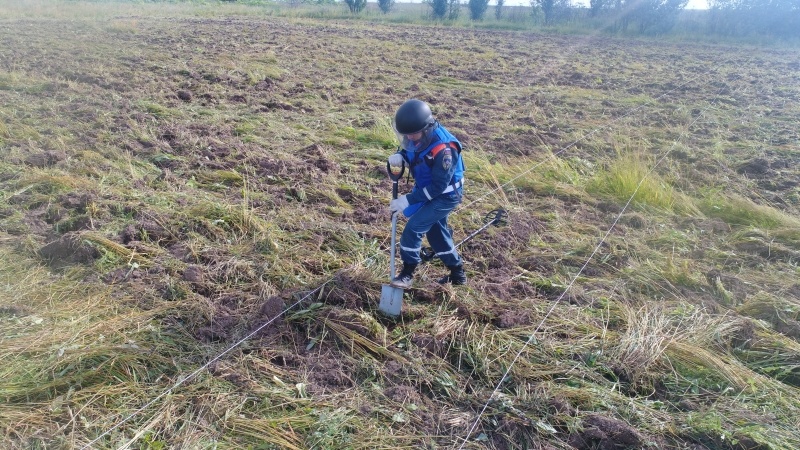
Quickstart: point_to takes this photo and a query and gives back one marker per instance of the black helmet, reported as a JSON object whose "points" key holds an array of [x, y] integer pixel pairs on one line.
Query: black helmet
{"points": [[412, 117]]}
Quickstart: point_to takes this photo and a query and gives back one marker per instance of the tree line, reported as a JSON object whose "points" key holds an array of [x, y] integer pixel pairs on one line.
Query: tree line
{"points": [[779, 18]]}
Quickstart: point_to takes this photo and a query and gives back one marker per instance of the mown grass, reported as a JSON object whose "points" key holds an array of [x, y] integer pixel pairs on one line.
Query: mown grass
{"points": [[212, 215], [630, 176], [743, 211]]}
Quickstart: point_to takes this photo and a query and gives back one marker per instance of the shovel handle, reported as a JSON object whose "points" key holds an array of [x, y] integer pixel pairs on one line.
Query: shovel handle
{"points": [[394, 244], [395, 174]]}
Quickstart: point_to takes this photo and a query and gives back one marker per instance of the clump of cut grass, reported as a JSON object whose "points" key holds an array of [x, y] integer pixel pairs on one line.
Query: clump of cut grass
{"points": [[556, 176], [379, 134], [630, 176], [484, 353], [158, 111], [772, 354], [115, 252], [259, 71], [11, 81], [672, 240], [352, 333], [69, 344], [640, 347], [46, 183], [285, 432], [788, 236], [773, 309], [737, 210], [222, 179], [709, 369], [666, 276], [507, 181], [701, 358], [328, 196], [124, 26], [761, 242], [242, 221]]}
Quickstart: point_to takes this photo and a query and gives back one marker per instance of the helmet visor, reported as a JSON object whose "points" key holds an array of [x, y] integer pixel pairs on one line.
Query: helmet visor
{"points": [[405, 139], [405, 142]]}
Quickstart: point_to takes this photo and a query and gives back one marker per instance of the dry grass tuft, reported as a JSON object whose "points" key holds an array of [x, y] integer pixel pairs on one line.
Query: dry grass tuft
{"points": [[639, 349]]}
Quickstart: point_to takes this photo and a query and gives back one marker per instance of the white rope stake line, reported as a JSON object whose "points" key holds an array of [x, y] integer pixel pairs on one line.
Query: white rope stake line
{"points": [[213, 360], [572, 282], [229, 349], [205, 366], [232, 347], [582, 138], [216, 358]]}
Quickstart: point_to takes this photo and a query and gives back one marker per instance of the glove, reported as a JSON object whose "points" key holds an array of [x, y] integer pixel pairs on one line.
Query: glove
{"points": [[396, 160], [398, 204]]}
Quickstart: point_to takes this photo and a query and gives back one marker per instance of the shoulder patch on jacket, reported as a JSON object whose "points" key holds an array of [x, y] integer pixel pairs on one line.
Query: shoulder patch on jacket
{"points": [[447, 159], [435, 150]]}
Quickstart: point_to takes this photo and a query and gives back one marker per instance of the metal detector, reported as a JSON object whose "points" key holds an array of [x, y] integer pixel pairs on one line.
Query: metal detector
{"points": [[392, 297], [496, 217]]}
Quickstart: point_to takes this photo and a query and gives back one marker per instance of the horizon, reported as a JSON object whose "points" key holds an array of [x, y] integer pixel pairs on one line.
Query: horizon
{"points": [[693, 4]]}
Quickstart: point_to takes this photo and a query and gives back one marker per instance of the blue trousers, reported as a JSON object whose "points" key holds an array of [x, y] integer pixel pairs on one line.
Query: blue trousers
{"points": [[431, 221]]}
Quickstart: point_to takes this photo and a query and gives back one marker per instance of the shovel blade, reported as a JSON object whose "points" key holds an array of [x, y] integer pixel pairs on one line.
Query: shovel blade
{"points": [[391, 300]]}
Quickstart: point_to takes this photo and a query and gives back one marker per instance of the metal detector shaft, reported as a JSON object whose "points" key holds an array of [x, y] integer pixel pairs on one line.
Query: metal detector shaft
{"points": [[495, 217]]}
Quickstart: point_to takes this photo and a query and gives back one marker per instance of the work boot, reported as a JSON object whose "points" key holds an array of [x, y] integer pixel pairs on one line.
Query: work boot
{"points": [[457, 276], [405, 278]]}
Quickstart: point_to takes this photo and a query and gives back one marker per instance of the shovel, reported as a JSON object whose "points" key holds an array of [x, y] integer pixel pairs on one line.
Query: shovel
{"points": [[392, 297]]}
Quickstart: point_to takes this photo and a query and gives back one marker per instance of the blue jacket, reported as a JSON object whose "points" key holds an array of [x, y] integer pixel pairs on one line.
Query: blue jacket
{"points": [[438, 168]]}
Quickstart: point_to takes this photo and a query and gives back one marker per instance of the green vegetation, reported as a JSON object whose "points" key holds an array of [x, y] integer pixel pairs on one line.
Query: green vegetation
{"points": [[629, 176], [743, 211], [194, 234], [751, 21]]}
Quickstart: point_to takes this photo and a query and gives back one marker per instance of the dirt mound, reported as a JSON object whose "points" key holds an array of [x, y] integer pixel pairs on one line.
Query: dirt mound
{"points": [[68, 250], [605, 433], [755, 168]]}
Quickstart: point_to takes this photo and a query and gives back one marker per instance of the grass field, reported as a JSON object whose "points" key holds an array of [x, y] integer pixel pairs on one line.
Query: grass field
{"points": [[194, 233]]}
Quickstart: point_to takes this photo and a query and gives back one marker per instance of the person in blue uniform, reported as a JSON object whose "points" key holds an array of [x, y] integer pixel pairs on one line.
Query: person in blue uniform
{"points": [[433, 156]]}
